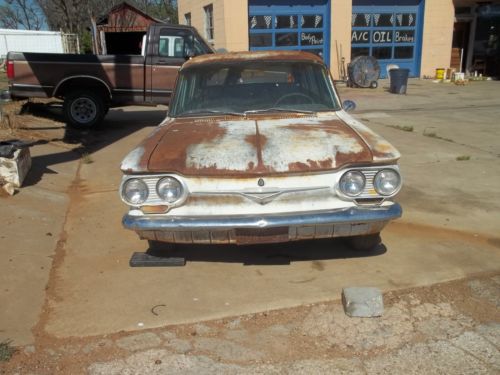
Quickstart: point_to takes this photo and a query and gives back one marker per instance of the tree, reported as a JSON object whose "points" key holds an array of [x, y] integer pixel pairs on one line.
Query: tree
{"points": [[23, 14], [165, 10], [74, 16]]}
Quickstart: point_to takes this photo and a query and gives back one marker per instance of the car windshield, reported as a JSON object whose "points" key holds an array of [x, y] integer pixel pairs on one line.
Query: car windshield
{"points": [[253, 87]]}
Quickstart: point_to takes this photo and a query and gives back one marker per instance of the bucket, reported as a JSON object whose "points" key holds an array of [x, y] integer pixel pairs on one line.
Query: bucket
{"points": [[459, 77], [399, 80], [440, 73]]}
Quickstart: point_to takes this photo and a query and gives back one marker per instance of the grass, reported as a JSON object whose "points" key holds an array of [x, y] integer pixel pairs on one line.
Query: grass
{"points": [[6, 351], [463, 157], [433, 134], [404, 128], [3, 80]]}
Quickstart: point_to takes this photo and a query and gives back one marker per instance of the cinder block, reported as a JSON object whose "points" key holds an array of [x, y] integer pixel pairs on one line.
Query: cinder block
{"points": [[362, 302], [14, 170]]}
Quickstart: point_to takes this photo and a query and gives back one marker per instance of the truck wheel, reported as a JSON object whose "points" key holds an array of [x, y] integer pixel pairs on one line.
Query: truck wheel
{"points": [[364, 243], [84, 109]]}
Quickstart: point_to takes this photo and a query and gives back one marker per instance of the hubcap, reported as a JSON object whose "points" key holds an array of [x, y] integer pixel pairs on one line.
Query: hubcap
{"points": [[83, 110]]}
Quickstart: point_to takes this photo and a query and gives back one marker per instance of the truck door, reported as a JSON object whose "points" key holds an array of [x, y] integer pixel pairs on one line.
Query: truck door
{"points": [[169, 49]]}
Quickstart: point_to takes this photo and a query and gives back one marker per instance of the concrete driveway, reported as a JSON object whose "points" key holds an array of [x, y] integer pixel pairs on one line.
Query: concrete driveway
{"points": [[449, 230]]}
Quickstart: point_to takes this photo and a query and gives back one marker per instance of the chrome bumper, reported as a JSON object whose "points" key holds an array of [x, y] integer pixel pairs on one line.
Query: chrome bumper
{"points": [[264, 228]]}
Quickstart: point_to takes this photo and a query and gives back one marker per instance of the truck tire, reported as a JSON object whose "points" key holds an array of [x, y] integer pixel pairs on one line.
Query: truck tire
{"points": [[364, 243], [84, 109]]}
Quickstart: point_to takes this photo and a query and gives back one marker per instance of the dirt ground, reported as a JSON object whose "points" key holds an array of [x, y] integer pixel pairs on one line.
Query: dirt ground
{"points": [[71, 304]]}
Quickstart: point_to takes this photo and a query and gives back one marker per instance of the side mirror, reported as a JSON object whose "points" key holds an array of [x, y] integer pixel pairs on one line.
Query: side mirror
{"points": [[348, 105]]}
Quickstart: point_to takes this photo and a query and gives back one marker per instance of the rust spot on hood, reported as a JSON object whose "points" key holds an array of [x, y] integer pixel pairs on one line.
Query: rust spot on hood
{"points": [[242, 147], [245, 56], [171, 152], [381, 149], [258, 141]]}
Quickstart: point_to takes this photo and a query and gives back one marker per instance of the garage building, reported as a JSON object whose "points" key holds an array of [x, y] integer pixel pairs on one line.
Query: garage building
{"points": [[421, 35]]}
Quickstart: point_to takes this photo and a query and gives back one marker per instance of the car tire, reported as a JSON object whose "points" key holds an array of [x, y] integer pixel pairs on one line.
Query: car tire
{"points": [[84, 109], [364, 243]]}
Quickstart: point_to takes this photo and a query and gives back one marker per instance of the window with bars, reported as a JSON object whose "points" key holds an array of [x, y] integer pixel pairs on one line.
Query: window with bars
{"points": [[209, 22], [187, 19]]}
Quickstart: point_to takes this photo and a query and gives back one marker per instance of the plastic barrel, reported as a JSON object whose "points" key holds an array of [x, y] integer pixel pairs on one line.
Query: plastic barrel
{"points": [[399, 80]]}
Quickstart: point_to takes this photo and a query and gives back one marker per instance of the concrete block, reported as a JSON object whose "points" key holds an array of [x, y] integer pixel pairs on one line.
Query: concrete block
{"points": [[362, 302], [14, 170]]}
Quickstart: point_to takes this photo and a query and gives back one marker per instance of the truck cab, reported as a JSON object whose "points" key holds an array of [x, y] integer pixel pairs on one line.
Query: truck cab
{"points": [[91, 84]]}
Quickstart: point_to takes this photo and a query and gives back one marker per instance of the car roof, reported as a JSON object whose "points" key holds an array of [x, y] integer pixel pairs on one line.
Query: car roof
{"points": [[235, 57]]}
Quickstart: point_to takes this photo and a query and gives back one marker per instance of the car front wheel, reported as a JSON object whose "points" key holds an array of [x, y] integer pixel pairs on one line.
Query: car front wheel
{"points": [[84, 109]]}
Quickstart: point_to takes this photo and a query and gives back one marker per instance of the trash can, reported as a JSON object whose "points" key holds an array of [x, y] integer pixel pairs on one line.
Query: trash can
{"points": [[399, 80]]}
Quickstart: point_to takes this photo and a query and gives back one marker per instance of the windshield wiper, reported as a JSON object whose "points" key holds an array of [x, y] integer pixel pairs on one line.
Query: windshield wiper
{"points": [[272, 109], [209, 112]]}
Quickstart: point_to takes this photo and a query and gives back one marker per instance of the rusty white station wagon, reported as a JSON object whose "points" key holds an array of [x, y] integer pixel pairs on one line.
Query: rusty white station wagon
{"points": [[257, 148]]}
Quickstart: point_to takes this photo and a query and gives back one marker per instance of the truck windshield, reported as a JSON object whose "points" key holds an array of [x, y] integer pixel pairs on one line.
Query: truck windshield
{"points": [[251, 87]]}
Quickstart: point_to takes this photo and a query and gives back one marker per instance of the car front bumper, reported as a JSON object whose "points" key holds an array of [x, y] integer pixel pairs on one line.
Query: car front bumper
{"points": [[241, 229]]}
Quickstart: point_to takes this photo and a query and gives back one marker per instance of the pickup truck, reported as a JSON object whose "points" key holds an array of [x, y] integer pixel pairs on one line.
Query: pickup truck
{"points": [[90, 84]]}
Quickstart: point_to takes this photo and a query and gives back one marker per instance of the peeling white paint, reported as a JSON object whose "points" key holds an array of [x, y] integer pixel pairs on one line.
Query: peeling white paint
{"points": [[380, 142], [131, 161], [287, 145], [227, 152]]}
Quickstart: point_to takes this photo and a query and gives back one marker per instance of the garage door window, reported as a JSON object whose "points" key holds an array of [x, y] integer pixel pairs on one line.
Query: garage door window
{"points": [[275, 26], [388, 33]]}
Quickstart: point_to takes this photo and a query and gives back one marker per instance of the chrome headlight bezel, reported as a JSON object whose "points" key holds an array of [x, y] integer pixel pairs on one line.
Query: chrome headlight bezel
{"points": [[341, 183], [154, 199], [377, 182], [140, 183], [180, 185]]}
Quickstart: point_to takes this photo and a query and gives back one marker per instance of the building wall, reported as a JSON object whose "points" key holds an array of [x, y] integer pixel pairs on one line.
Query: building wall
{"points": [[439, 16], [126, 19], [231, 15], [340, 35], [236, 12], [231, 30]]}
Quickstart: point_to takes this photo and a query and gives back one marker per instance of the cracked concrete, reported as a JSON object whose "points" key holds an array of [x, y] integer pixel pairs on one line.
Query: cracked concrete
{"points": [[439, 274]]}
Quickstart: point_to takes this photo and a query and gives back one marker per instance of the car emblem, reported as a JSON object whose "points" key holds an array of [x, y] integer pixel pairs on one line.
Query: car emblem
{"points": [[260, 182]]}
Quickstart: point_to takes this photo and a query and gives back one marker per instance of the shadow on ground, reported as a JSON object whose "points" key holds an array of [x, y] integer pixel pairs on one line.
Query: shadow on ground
{"points": [[266, 255], [118, 124]]}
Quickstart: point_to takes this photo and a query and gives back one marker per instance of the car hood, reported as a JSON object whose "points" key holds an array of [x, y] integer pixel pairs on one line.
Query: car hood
{"points": [[233, 146]]}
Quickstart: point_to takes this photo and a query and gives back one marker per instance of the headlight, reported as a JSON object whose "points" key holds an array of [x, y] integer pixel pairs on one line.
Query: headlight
{"points": [[352, 183], [387, 182], [169, 189], [135, 191]]}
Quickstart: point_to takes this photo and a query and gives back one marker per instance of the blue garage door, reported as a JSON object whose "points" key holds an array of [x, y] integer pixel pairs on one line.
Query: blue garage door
{"points": [[290, 25], [390, 31]]}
